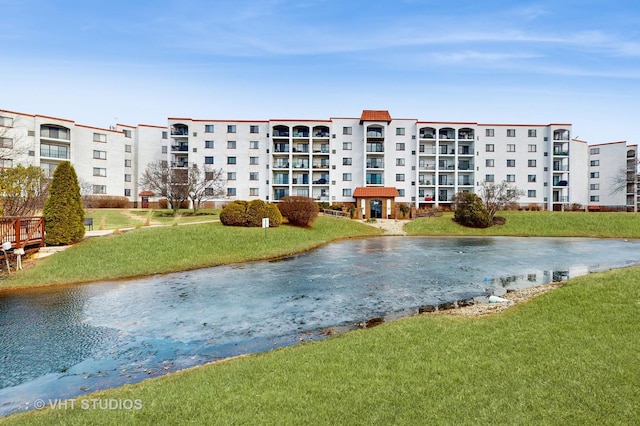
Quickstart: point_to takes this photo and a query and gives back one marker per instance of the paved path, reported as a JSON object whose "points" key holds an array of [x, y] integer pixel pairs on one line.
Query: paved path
{"points": [[389, 226]]}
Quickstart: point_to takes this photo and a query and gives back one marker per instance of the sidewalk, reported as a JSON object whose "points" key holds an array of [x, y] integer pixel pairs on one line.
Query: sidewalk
{"points": [[389, 226]]}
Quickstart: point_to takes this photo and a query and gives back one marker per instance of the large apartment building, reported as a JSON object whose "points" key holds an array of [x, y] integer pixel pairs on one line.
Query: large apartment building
{"points": [[373, 161]]}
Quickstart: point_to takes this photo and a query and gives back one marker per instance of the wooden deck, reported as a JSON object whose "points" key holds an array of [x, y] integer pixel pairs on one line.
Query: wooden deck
{"points": [[22, 232]]}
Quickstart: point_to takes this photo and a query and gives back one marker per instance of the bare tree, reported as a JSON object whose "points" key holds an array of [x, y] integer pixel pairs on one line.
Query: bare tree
{"points": [[621, 181], [23, 190], [168, 182], [497, 196], [13, 141], [209, 184]]}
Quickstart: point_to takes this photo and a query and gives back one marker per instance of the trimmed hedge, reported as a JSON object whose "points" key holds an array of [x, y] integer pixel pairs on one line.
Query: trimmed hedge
{"points": [[105, 202], [299, 211], [250, 213]]}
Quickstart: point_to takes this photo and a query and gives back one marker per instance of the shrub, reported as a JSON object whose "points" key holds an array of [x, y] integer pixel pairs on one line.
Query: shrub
{"points": [[470, 211], [105, 202], [245, 213], [299, 211], [63, 212]]}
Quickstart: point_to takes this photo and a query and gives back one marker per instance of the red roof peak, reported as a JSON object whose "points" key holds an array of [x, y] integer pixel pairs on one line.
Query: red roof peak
{"points": [[375, 115], [375, 191]]}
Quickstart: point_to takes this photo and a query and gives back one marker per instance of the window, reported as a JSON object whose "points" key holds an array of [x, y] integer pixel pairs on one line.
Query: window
{"points": [[208, 160], [594, 175], [511, 163], [595, 162], [127, 148], [399, 177], [531, 163], [400, 146], [99, 155], [531, 178], [97, 171], [127, 163], [231, 160], [54, 151], [231, 144], [254, 176], [511, 178], [489, 178], [231, 128], [208, 175], [165, 135], [254, 129], [254, 192], [489, 162], [347, 130], [347, 146], [6, 142], [231, 192], [99, 189], [208, 144], [489, 133], [254, 145], [346, 192], [164, 149], [594, 151], [346, 177], [401, 192], [594, 186], [127, 133], [594, 198], [254, 161], [6, 121], [511, 147], [399, 131], [489, 147], [531, 193], [127, 178], [532, 148], [532, 133], [99, 137], [399, 161], [511, 133], [208, 128], [346, 161], [231, 176], [127, 192]]}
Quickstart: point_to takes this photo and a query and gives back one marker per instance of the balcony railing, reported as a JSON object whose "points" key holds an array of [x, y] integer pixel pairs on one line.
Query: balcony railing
{"points": [[181, 148], [427, 136], [300, 134], [180, 164]]}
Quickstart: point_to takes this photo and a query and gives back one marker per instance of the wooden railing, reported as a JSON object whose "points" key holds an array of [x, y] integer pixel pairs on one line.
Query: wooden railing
{"points": [[22, 232]]}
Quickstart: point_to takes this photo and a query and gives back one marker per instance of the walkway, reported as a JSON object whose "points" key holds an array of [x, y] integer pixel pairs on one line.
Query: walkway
{"points": [[389, 226]]}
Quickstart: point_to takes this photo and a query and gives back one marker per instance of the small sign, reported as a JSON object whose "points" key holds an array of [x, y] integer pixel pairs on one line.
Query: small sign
{"points": [[265, 222]]}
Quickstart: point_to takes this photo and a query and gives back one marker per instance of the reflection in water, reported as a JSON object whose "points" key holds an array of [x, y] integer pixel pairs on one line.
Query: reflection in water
{"points": [[59, 343]]}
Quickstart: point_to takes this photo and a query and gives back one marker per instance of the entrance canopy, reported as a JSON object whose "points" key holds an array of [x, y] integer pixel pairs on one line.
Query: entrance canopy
{"points": [[375, 191]]}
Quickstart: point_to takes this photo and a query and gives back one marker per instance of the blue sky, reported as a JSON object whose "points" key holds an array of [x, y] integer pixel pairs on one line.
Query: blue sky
{"points": [[100, 62]]}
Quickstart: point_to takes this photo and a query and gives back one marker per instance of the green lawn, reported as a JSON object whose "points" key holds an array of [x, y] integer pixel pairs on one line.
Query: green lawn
{"points": [[150, 250], [131, 218], [569, 357], [538, 224]]}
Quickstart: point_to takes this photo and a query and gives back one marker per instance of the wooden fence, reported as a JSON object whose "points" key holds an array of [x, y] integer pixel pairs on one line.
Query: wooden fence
{"points": [[22, 232]]}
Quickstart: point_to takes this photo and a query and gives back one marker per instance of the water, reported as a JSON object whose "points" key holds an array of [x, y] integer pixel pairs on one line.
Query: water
{"points": [[64, 342]]}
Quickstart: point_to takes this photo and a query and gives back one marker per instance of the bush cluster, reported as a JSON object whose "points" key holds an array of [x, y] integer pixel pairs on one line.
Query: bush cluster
{"points": [[105, 202], [250, 213], [470, 211], [299, 211]]}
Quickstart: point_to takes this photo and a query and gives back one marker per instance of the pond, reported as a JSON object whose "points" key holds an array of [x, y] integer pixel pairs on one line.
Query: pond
{"points": [[63, 342]]}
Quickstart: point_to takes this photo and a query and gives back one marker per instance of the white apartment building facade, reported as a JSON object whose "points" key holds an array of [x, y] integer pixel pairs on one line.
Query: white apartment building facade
{"points": [[330, 160], [613, 176]]}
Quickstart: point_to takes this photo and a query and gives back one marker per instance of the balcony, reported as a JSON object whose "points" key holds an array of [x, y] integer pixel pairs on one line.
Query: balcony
{"points": [[375, 148], [281, 165], [179, 130], [301, 134], [180, 164], [427, 150], [179, 148], [375, 164], [321, 165], [55, 132]]}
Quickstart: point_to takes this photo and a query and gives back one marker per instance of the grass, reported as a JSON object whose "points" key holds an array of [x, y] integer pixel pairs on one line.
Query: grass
{"points": [[568, 357], [148, 251], [539, 224], [130, 218]]}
